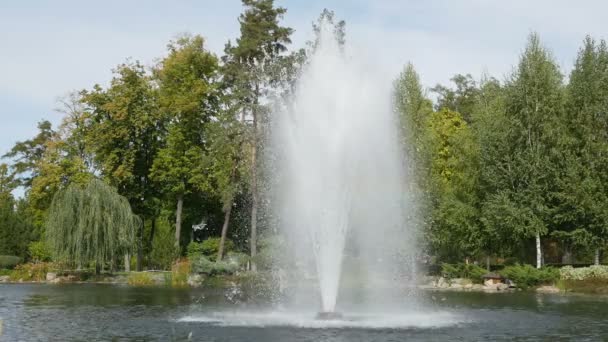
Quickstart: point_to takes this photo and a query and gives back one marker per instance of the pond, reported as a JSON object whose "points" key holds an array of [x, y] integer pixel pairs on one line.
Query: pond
{"points": [[36, 312]]}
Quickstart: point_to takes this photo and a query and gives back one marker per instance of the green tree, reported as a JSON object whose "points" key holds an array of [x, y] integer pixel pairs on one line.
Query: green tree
{"points": [[259, 47], [525, 172], [462, 99], [582, 198], [90, 224], [125, 137], [188, 98], [453, 181], [25, 155]]}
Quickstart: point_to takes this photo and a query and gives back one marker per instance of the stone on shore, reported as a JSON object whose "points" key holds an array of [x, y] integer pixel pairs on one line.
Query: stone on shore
{"points": [[548, 289]]}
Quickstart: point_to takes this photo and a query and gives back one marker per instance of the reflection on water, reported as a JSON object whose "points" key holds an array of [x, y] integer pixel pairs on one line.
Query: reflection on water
{"points": [[115, 313]]}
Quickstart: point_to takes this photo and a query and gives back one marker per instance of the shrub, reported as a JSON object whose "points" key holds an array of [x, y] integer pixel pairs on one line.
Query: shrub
{"points": [[163, 247], [179, 273], [237, 259], [39, 251], [140, 279], [194, 250], [584, 273], [32, 272], [208, 248], [9, 261], [462, 270], [203, 265], [527, 275]]}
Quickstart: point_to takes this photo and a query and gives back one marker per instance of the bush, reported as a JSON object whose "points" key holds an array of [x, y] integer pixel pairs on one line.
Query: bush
{"points": [[9, 261], [39, 251], [208, 248], [203, 265], [163, 247], [140, 279], [32, 272], [527, 275], [584, 273], [462, 270], [237, 259]]}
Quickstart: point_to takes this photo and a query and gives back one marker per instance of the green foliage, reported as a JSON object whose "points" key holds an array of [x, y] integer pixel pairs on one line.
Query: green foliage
{"points": [[140, 279], [527, 275], [91, 224], [39, 251], [463, 270], [163, 246], [204, 265], [208, 248], [584, 273], [16, 230], [9, 261]]}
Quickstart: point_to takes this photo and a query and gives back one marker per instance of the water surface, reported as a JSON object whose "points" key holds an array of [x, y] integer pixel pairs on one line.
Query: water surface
{"points": [[36, 312]]}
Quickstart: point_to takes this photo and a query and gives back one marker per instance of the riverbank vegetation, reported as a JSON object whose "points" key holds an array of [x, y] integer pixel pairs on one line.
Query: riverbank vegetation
{"points": [[165, 167]]}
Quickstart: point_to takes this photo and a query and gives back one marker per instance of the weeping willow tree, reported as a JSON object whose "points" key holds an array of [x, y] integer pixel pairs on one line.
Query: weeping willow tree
{"points": [[90, 224]]}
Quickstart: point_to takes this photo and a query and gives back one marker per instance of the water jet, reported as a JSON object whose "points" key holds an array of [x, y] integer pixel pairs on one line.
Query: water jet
{"points": [[340, 180]]}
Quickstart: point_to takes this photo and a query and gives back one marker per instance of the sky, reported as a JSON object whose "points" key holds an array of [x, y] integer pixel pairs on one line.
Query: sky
{"points": [[50, 48]]}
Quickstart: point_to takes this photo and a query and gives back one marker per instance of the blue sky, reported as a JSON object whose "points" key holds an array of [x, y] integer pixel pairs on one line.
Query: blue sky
{"points": [[49, 48]]}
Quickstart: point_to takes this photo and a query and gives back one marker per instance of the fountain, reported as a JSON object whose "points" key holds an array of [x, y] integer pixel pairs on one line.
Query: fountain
{"points": [[341, 177]]}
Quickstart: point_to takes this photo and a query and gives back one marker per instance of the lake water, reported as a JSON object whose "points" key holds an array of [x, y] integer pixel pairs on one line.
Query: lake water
{"points": [[37, 312]]}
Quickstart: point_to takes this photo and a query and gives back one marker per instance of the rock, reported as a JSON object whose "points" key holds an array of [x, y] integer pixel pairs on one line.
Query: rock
{"points": [[195, 280], [456, 286], [468, 286], [441, 283], [461, 281], [548, 289], [502, 287], [477, 287], [5, 279], [488, 283], [51, 276]]}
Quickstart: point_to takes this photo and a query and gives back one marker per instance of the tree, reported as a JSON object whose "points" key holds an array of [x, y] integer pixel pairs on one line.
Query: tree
{"points": [[90, 224], [26, 154], [462, 99], [125, 136], [15, 227], [525, 173], [453, 182], [259, 47], [188, 98], [582, 199]]}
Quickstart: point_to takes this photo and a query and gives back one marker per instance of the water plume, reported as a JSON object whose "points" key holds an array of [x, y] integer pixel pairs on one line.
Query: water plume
{"points": [[341, 177]]}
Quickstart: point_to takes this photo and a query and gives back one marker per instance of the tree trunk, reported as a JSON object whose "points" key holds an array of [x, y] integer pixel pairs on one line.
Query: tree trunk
{"points": [[488, 263], [567, 256], [220, 251], [596, 260], [178, 220], [152, 232], [539, 252], [140, 252], [127, 262], [254, 187]]}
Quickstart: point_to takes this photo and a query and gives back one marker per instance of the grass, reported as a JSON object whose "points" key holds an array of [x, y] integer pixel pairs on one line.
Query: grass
{"points": [[179, 273], [140, 279], [31, 271]]}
